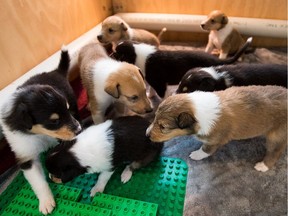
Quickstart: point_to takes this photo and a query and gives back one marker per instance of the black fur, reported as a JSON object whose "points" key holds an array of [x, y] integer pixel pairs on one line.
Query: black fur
{"points": [[237, 75], [64, 165], [42, 95], [130, 144], [168, 67]]}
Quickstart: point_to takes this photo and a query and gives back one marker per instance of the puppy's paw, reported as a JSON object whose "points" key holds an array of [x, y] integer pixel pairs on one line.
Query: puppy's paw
{"points": [[260, 166], [96, 189], [47, 205], [126, 175], [198, 155]]}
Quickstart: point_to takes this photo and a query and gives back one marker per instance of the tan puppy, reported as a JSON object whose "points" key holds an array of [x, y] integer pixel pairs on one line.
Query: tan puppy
{"points": [[222, 34], [114, 30], [216, 118], [107, 80]]}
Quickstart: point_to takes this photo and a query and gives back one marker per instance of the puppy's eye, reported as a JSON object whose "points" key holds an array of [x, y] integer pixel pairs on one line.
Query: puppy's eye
{"points": [[133, 99], [111, 31], [161, 127], [212, 21]]}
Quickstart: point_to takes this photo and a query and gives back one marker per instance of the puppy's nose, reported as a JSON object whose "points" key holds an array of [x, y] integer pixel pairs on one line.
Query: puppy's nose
{"points": [[202, 25], [99, 37]]}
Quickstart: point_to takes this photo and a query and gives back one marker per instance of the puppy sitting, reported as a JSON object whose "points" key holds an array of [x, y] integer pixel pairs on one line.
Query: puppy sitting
{"points": [[114, 30], [107, 80], [101, 149], [225, 76], [222, 34], [219, 117], [162, 67], [39, 112]]}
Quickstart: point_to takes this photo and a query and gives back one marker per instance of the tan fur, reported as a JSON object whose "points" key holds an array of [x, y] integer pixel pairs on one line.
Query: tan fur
{"points": [[122, 85], [226, 43], [245, 112], [63, 133], [114, 30]]}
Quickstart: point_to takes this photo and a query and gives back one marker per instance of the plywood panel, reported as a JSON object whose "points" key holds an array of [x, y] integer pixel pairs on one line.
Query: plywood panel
{"points": [[269, 9], [32, 30]]}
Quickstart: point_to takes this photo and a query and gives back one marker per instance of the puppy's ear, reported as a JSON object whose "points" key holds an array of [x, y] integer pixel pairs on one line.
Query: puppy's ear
{"points": [[224, 19], [207, 84], [112, 88], [124, 27], [185, 120], [21, 118]]}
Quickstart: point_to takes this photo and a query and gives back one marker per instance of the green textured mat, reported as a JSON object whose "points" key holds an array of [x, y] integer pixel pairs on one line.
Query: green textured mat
{"points": [[162, 183]]}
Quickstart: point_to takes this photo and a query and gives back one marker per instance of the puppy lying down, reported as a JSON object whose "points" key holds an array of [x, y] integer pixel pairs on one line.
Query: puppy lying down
{"points": [[101, 149], [216, 118]]}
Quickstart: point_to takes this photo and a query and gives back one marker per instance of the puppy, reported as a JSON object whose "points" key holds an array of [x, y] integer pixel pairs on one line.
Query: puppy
{"points": [[219, 117], [114, 30], [225, 76], [39, 112], [107, 80], [162, 67], [222, 34], [101, 149]]}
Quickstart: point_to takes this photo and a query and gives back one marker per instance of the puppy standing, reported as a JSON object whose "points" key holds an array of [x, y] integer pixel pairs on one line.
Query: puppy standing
{"points": [[101, 149], [114, 30], [38, 112], [222, 34], [225, 76], [219, 117], [107, 80]]}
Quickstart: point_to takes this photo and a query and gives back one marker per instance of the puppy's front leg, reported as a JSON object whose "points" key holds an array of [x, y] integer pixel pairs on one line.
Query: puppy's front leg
{"points": [[34, 174], [103, 178], [198, 154], [205, 151], [209, 46]]}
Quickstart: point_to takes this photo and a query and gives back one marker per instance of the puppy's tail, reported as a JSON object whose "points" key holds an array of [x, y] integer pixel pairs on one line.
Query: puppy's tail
{"points": [[161, 33], [239, 53], [64, 63]]}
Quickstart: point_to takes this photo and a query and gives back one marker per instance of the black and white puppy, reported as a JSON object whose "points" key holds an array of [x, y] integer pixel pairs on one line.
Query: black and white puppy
{"points": [[162, 67], [225, 76], [39, 112], [101, 149]]}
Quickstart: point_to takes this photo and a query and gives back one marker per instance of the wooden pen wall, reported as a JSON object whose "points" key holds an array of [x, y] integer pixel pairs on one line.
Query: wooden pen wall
{"points": [[32, 30]]}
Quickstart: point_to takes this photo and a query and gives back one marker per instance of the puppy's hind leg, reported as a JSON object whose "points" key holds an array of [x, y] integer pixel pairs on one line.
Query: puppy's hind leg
{"points": [[275, 146], [128, 171], [100, 185]]}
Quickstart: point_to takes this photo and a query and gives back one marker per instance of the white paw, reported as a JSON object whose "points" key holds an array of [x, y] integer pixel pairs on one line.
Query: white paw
{"points": [[47, 205], [260, 166], [198, 155], [96, 189], [126, 175]]}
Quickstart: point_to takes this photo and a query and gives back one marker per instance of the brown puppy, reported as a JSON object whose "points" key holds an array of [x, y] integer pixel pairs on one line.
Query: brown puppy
{"points": [[222, 34], [216, 118], [107, 80], [114, 30]]}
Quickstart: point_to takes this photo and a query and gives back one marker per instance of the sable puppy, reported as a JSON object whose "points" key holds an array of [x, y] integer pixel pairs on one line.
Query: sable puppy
{"points": [[222, 34], [225, 76], [114, 29], [107, 80], [216, 118], [101, 149], [38, 112], [162, 67]]}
